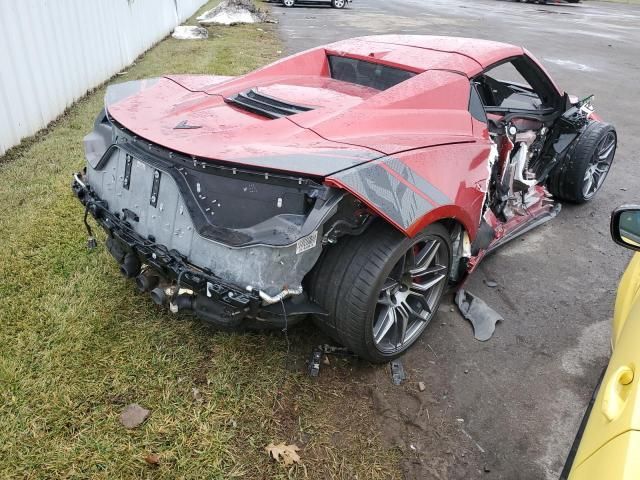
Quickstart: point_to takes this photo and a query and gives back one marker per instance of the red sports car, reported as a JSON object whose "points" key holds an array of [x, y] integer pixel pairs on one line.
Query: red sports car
{"points": [[352, 182]]}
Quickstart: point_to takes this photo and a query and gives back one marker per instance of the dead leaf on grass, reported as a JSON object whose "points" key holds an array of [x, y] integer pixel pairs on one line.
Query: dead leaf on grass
{"points": [[152, 459], [285, 454], [133, 415]]}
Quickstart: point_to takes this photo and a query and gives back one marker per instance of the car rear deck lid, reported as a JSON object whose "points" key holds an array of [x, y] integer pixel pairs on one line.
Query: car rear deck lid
{"points": [[261, 104]]}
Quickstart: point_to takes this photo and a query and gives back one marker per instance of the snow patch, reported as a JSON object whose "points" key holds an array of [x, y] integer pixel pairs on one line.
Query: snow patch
{"points": [[231, 12], [185, 32]]}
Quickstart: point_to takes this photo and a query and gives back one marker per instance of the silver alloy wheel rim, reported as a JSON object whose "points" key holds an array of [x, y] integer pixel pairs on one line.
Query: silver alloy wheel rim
{"points": [[599, 166], [339, 3], [408, 299], [288, 3]]}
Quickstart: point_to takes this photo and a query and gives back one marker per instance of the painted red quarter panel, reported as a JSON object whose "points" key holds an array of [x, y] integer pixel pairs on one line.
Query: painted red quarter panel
{"points": [[416, 188], [412, 152]]}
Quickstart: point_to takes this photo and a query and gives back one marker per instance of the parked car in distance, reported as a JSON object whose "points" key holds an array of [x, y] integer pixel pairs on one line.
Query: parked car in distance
{"points": [[333, 3], [608, 441], [544, 2], [353, 182]]}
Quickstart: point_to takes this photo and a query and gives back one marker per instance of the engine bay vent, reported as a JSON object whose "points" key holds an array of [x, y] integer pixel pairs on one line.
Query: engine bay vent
{"points": [[265, 105]]}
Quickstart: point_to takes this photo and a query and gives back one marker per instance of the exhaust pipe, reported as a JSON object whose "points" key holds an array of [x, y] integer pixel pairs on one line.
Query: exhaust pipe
{"points": [[130, 266], [146, 282], [158, 296], [207, 310], [115, 250], [184, 302]]}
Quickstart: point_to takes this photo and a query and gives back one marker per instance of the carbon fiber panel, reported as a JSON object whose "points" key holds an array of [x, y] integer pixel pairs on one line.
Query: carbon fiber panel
{"points": [[394, 198]]}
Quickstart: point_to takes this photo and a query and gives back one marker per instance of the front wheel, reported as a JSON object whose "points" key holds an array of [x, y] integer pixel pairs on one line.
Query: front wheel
{"points": [[338, 3], [288, 3], [583, 171], [382, 289]]}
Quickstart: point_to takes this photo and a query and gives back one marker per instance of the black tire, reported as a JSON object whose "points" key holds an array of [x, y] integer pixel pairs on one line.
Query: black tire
{"points": [[348, 282], [338, 3], [567, 181]]}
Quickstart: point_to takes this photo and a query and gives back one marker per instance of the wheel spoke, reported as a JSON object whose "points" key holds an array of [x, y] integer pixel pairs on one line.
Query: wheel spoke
{"points": [[594, 177], [424, 258], [411, 311], [598, 178], [421, 298], [384, 324], [409, 295], [385, 294], [423, 287], [433, 269], [599, 167], [586, 189], [602, 167], [408, 260], [389, 284], [402, 321], [607, 147]]}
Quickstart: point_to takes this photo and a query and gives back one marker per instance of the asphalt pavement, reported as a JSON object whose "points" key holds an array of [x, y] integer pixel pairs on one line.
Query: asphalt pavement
{"points": [[509, 408]]}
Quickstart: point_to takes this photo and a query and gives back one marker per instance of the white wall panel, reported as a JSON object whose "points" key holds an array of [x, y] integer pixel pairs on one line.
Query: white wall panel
{"points": [[53, 51]]}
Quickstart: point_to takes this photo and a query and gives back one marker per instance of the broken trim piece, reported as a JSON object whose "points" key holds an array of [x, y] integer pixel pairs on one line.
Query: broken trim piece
{"points": [[525, 227], [482, 317], [397, 372]]}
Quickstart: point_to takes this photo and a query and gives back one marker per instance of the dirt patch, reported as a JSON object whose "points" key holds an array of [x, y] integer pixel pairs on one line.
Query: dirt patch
{"points": [[423, 430], [423, 425]]}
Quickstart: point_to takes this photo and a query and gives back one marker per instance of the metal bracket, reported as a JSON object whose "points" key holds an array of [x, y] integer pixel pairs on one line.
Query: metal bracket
{"points": [[332, 350], [314, 362], [316, 356], [126, 181], [130, 214], [155, 188]]}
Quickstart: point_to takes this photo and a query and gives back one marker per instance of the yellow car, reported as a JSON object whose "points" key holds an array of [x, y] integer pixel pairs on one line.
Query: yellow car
{"points": [[608, 442]]}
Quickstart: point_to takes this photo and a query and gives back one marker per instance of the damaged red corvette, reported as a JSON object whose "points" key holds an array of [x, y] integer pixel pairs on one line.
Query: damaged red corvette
{"points": [[351, 183]]}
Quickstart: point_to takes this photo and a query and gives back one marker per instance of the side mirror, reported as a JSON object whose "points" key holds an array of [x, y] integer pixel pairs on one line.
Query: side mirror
{"points": [[625, 226]]}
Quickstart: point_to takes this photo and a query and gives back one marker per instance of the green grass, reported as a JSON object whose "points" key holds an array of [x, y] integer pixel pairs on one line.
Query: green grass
{"points": [[77, 344]]}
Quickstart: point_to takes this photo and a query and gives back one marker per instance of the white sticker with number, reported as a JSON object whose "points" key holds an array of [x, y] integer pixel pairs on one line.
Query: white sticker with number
{"points": [[306, 243]]}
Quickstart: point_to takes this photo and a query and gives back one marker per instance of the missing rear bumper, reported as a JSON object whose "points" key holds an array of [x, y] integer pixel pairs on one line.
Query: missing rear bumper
{"points": [[175, 282]]}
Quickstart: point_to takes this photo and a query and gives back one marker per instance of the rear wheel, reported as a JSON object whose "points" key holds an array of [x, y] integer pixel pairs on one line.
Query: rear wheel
{"points": [[338, 3], [288, 3], [582, 173], [382, 289]]}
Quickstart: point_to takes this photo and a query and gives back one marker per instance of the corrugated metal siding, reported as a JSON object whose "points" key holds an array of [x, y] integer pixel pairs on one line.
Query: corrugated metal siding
{"points": [[53, 51]]}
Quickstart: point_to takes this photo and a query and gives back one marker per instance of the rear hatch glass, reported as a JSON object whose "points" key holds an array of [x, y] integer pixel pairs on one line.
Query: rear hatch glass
{"points": [[367, 74]]}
